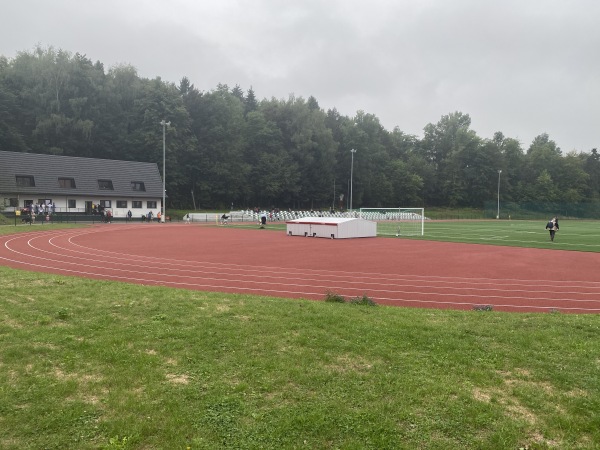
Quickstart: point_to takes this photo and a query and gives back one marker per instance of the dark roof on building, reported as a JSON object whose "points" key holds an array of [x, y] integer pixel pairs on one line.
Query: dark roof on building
{"points": [[47, 169]]}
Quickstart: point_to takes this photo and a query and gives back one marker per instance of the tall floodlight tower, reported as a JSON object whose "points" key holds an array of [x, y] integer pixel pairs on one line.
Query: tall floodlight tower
{"points": [[164, 206], [353, 151], [498, 214]]}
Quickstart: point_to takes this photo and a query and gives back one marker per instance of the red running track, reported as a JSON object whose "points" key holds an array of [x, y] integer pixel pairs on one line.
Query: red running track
{"points": [[390, 271]]}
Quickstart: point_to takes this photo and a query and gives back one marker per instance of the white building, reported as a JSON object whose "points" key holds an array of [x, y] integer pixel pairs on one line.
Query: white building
{"points": [[76, 185]]}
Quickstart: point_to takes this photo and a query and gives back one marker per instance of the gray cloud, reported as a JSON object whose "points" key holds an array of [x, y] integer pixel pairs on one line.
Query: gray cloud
{"points": [[522, 68]]}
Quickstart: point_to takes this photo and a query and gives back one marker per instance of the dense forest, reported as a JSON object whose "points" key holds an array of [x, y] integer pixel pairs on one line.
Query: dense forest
{"points": [[226, 147]]}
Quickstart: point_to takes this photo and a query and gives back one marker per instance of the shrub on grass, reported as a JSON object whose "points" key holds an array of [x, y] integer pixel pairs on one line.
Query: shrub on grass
{"points": [[118, 443], [364, 300], [333, 297], [483, 308], [63, 314]]}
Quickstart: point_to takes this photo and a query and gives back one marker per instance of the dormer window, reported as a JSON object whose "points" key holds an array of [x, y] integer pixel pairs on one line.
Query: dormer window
{"points": [[138, 186], [25, 180], [105, 185], [67, 183]]}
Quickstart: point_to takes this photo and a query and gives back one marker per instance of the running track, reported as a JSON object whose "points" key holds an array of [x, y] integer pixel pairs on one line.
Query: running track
{"points": [[390, 271]]}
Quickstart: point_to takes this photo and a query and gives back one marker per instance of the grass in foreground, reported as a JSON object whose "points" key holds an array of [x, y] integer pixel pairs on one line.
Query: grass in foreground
{"points": [[87, 364]]}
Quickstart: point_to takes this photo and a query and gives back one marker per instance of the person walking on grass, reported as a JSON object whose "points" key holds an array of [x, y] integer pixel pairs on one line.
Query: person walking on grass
{"points": [[552, 226]]}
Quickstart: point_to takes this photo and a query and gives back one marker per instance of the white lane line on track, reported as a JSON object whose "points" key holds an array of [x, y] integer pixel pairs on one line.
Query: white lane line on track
{"points": [[138, 276], [263, 291], [378, 286], [378, 276], [350, 278], [153, 281]]}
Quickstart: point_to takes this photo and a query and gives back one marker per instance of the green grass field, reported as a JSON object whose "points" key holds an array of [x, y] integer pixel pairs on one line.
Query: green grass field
{"points": [[87, 364], [573, 234]]}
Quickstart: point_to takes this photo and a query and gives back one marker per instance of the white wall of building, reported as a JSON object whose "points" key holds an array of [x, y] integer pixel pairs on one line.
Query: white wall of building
{"points": [[61, 203]]}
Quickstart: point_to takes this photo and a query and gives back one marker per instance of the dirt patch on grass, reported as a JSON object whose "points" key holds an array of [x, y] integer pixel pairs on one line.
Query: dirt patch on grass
{"points": [[577, 393], [11, 323], [514, 408], [481, 395], [85, 379], [348, 363], [178, 378]]}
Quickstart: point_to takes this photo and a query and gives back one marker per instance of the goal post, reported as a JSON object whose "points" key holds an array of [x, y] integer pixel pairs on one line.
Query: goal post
{"points": [[396, 221]]}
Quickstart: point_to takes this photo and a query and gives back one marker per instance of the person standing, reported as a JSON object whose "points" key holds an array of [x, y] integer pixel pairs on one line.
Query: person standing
{"points": [[552, 226], [129, 216], [263, 219]]}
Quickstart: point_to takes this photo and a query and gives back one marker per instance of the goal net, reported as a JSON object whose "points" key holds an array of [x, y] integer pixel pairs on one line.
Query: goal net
{"points": [[396, 221]]}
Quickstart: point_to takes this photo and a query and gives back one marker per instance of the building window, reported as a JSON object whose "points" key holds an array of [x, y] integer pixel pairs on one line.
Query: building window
{"points": [[67, 183], [71, 203], [25, 181], [14, 202], [136, 204], [105, 185], [138, 186], [105, 203], [121, 203], [151, 204]]}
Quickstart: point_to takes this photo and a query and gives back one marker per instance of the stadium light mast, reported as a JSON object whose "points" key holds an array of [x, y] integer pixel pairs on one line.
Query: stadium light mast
{"points": [[499, 172], [353, 151], [164, 206]]}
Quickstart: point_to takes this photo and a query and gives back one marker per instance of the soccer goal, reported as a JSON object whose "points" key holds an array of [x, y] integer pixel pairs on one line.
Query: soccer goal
{"points": [[396, 221]]}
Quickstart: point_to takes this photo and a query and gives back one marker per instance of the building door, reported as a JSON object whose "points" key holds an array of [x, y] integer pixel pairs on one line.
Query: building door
{"points": [[88, 207]]}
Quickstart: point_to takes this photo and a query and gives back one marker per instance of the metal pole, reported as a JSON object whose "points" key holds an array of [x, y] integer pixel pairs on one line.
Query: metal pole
{"points": [[163, 206], [333, 203], [353, 151], [348, 195], [498, 215]]}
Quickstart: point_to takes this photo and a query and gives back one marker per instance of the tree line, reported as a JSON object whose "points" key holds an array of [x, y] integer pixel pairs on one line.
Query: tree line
{"points": [[226, 147]]}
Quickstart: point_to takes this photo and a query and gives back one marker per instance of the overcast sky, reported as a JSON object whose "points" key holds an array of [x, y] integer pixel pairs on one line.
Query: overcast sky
{"points": [[523, 67]]}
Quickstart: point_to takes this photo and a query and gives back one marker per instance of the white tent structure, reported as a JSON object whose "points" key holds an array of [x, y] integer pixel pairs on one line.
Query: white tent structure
{"points": [[331, 227]]}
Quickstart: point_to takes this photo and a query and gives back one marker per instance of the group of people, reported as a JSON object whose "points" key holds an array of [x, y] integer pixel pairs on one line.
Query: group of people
{"points": [[148, 216], [272, 215], [36, 209], [29, 212], [98, 209]]}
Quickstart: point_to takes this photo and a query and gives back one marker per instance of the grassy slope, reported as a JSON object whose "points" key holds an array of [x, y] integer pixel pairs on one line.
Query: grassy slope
{"points": [[84, 362]]}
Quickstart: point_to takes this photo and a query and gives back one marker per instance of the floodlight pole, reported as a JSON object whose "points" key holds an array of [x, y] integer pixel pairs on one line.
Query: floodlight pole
{"points": [[353, 151], [499, 172], [164, 206], [333, 202]]}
